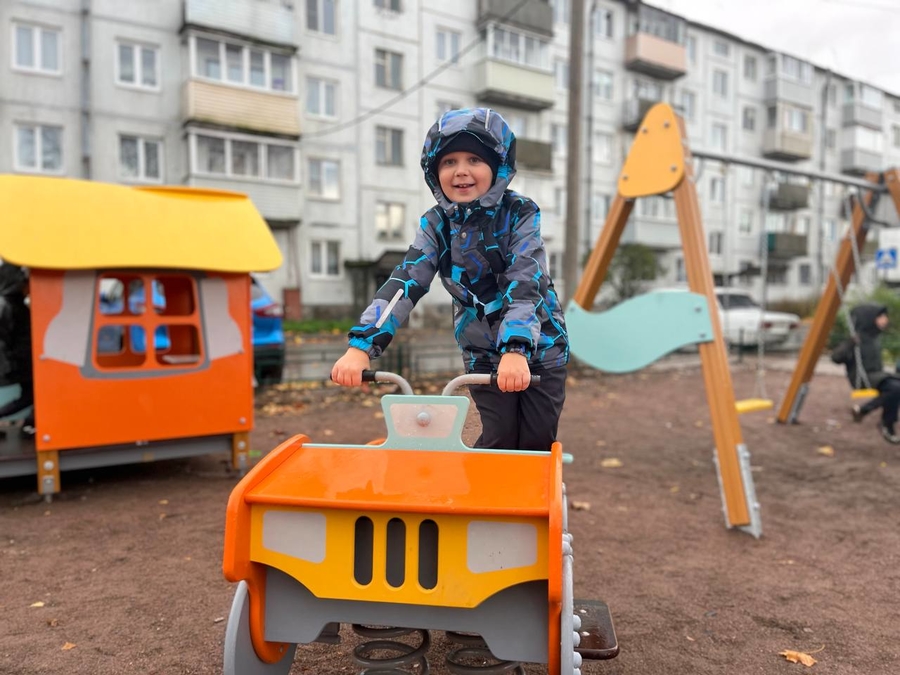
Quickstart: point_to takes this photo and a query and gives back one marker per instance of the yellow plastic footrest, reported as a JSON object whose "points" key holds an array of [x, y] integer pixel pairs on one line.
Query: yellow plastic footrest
{"points": [[753, 405], [864, 393]]}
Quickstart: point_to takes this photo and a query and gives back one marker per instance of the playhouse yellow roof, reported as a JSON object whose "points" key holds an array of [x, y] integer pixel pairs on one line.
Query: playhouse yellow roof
{"points": [[61, 223]]}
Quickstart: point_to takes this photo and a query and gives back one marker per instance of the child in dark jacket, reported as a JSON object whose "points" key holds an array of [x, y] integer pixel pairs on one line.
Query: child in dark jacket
{"points": [[870, 321], [15, 341], [484, 241]]}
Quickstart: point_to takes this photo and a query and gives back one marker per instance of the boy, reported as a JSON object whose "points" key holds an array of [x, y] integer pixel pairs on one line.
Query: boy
{"points": [[15, 341], [870, 321], [485, 242]]}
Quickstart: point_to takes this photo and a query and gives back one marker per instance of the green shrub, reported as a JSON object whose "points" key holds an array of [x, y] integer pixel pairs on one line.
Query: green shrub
{"points": [[319, 326]]}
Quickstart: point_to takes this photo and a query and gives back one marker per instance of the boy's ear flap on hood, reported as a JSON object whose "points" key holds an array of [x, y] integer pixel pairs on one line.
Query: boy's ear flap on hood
{"points": [[863, 316]]}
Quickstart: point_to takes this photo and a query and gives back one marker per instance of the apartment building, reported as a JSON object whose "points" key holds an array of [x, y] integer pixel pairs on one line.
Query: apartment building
{"points": [[317, 109]]}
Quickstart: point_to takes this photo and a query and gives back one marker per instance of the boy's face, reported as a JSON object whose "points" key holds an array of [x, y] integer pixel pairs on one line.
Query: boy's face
{"points": [[464, 176], [882, 321]]}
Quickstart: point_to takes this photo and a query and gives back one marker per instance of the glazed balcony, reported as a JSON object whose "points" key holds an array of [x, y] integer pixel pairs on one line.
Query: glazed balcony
{"points": [[241, 108], [654, 56], [787, 146], [501, 82], [269, 22], [535, 16], [786, 245], [534, 155]]}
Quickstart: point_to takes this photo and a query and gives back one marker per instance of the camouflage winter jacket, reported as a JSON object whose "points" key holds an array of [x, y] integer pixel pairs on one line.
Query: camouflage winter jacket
{"points": [[490, 257]]}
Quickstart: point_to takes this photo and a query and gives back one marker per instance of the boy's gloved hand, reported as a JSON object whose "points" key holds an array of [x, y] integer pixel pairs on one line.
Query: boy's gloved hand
{"points": [[513, 373], [347, 370]]}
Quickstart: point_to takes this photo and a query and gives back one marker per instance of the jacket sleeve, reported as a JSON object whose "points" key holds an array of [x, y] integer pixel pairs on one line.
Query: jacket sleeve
{"points": [[522, 280], [409, 281]]}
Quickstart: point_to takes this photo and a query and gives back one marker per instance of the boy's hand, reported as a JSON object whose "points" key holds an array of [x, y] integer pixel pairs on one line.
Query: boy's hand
{"points": [[347, 370], [513, 373]]}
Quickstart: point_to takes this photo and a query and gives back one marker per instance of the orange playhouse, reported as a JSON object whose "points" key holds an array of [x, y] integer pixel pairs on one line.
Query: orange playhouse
{"points": [[140, 321]]}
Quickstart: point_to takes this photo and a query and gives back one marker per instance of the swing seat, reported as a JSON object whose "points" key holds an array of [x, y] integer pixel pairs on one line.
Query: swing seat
{"points": [[863, 393], [753, 405]]}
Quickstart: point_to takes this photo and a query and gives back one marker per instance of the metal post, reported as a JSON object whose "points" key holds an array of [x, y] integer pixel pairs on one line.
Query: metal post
{"points": [[574, 148]]}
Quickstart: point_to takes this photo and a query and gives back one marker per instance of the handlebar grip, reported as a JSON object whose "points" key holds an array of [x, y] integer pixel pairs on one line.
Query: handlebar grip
{"points": [[368, 375], [535, 380]]}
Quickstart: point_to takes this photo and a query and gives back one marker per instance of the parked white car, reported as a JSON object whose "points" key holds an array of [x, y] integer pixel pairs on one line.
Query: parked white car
{"points": [[741, 314]]}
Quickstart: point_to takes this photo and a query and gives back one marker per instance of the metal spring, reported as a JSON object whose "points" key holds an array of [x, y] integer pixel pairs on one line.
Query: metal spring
{"points": [[474, 648], [409, 660]]}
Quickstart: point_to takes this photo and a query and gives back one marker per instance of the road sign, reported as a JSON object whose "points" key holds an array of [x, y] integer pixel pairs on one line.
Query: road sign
{"points": [[886, 258]]}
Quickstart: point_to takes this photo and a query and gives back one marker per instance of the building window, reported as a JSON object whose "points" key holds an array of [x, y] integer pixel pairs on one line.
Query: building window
{"points": [[137, 65], [447, 106], [323, 176], [721, 48], [390, 5], [777, 276], [603, 148], [519, 48], [749, 119], [448, 42], [559, 202], [389, 220], [801, 225], [321, 97], [603, 85], [38, 148], [242, 65], [691, 46], [36, 48], [746, 175], [680, 273], [719, 137], [750, 67], [140, 159], [519, 125], [804, 271], [830, 227], [795, 69], [321, 15], [771, 117], [796, 120], [600, 207], [603, 23], [688, 104], [561, 73], [715, 243], [895, 136], [389, 146], [871, 97], [244, 158], [745, 222], [720, 83], [388, 69], [325, 259], [558, 138], [716, 190], [561, 10]]}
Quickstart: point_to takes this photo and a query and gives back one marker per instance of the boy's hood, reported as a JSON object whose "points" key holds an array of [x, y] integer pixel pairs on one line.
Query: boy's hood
{"points": [[11, 279], [864, 316], [489, 128]]}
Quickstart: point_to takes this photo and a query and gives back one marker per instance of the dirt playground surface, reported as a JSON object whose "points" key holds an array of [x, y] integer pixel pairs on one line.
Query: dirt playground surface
{"points": [[121, 573]]}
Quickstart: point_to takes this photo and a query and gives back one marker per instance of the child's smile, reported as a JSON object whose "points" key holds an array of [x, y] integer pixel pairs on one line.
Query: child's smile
{"points": [[464, 176]]}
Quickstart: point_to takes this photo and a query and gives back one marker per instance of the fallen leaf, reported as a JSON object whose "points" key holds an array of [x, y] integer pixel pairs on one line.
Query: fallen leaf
{"points": [[690, 638], [698, 423], [69, 645], [219, 619], [611, 463], [674, 489], [770, 420], [379, 415], [163, 501], [798, 657], [162, 515], [602, 444], [39, 603], [581, 506], [53, 623], [826, 450], [884, 465], [328, 432], [612, 395]]}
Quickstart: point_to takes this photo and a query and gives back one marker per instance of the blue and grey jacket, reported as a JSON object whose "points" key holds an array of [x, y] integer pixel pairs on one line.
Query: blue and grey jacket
{"points": [[491, 259]]}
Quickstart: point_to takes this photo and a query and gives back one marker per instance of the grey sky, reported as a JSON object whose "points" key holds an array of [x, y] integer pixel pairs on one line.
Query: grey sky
{"points": [[857, 38]]}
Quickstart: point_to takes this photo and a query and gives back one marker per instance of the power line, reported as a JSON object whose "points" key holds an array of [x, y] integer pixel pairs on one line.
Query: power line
{"points": [[415, 87]]}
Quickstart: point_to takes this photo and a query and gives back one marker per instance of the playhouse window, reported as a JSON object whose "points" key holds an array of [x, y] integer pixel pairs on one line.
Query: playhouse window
{"points": [[123, 319]]}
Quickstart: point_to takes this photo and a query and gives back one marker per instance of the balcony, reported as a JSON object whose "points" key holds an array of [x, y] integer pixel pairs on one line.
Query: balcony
{"points": [[787, 146], [503, 83], [787, 90], [648, 54], [789, 197], [655, 233], [786, 245], [635, 110], [276, 202], [858, 161], [859, 114], [239, 108], [535, 16], [269, 22], [534, 155]]}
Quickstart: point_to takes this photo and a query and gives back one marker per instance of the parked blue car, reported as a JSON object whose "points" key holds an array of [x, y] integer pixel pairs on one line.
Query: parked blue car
{"points": [[268, 335]]}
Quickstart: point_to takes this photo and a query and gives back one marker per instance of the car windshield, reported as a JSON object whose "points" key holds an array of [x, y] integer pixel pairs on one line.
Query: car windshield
{"points": [[736, 301]]}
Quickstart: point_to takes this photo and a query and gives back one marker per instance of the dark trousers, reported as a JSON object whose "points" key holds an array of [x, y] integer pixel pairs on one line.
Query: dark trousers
{"points": [[888, 400], [26, 398], [521, 420]]}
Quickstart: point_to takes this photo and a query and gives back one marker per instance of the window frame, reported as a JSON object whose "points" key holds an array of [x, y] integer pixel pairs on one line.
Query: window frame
{"points": [[142, 157], [37, 31], [384, 60], [246, 65], [37, 127], [390, 139], [393, 231], [322, 196], [443, 39], [320, 13], [323, 254], [137, 47], [263, 143], [323, 84]]}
